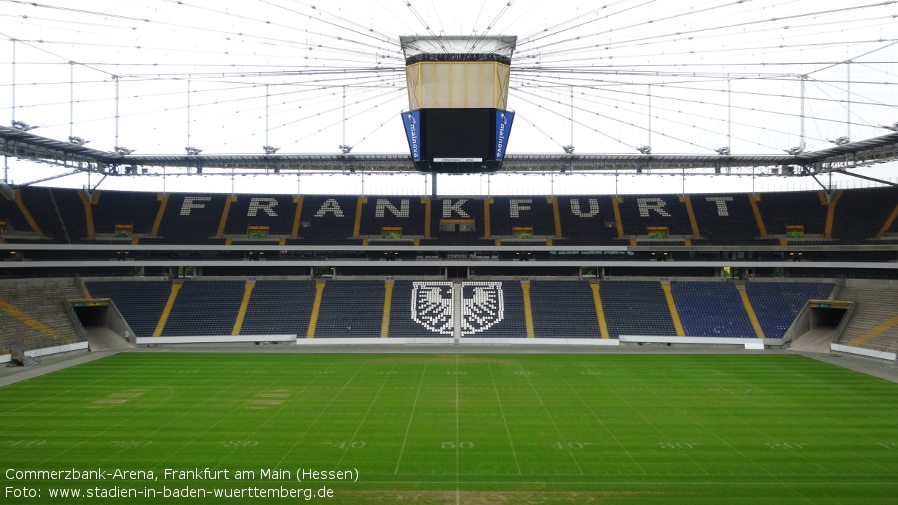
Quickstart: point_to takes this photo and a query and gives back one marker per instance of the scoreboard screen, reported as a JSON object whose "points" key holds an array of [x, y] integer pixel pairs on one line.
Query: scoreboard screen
{"points": [[457, 140], [457, 133]]}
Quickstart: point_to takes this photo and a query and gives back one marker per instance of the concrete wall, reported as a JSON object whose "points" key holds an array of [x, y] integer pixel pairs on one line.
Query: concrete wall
{"points": [[870, 353]]}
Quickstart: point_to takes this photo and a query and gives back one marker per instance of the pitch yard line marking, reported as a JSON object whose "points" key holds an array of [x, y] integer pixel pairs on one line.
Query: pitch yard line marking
{"points": [[714, 434], [825, 440], [365, 417], [543, 405], [314, 421], [128, 372], [489, 367], [599, 419], [281, 407], [162, 427], [457, 475], [410, 418]]}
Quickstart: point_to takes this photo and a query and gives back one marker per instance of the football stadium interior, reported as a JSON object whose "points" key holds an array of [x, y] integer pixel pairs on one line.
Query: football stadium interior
{"points": [[668, 340]]}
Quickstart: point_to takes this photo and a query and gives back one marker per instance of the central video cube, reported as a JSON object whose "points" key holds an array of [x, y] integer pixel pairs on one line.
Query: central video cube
{"points": [[457, 140], [457, 120]]}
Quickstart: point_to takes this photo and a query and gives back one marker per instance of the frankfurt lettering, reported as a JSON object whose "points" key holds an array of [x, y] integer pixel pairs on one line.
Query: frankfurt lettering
{"points": [[195, 474], [642, 207]]}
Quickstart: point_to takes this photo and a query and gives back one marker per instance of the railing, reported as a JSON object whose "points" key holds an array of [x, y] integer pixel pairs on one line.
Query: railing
{"points": [[79, 328], [837, 333]]}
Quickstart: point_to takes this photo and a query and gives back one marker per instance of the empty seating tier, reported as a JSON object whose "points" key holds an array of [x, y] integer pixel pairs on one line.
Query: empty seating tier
{"points": [[278, 307], [857, 216], [140, 302], [711, 309], [205, 308], [777, 303], [563, 309], [351, 309], [636, 308]]}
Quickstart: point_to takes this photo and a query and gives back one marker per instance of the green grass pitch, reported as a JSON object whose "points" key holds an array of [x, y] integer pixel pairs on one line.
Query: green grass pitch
{"points": [[443, 429]]}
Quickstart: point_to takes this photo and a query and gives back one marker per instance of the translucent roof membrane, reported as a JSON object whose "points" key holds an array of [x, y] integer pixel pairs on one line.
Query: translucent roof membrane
{"points": [[457, 48]]}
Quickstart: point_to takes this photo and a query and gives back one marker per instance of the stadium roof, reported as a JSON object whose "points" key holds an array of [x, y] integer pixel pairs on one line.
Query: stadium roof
{"points": [[25, 145]]}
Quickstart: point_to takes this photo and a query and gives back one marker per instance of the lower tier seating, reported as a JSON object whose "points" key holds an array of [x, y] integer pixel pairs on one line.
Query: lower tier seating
{"points": [[439, 308]]}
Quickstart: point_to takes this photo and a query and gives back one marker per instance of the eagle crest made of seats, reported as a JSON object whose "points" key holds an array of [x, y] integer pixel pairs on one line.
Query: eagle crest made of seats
{"points": [[482, 303]]}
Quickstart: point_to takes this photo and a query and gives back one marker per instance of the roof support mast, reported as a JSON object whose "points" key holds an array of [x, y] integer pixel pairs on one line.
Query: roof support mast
{"points": [[802, 143]]}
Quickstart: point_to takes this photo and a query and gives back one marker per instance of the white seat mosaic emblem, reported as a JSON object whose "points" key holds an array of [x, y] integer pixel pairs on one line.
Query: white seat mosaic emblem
{"points": [[432, 306], [482, 304]]}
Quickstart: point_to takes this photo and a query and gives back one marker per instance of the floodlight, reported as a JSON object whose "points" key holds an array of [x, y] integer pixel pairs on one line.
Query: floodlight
{"points": [[840, 141], [192, 151], [645, 149], [22, 125]]}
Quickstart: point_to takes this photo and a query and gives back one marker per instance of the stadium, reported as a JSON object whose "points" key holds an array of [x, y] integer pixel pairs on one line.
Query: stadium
{"points": [[501, 252]]}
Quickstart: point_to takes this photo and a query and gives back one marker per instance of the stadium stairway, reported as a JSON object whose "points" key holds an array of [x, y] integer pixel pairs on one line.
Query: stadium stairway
{"points": [[874, 324], [33, 315]]}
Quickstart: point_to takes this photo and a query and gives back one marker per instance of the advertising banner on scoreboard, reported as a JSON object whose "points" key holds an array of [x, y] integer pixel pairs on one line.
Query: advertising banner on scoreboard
{"points": [[503, 130], [412, 122]]}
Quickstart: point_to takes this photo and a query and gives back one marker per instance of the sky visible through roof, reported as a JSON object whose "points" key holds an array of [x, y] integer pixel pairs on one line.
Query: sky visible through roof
{"points": [[306, 77]]}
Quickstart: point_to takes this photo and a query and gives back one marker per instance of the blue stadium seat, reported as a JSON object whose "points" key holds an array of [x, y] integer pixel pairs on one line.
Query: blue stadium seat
{"points": [[279, 307], [140, 302], [563, 309], [635, 308], [777, 303], [711, 309]]}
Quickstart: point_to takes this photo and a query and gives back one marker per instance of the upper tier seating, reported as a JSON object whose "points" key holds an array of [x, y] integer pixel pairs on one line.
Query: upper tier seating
{"points": [[452, 210], [639, 212], [509, 213], [587, 220], [277, 212], [196, 218], [124, 208], [725, 219], [41, 203], [393, 212], [13, 217], [802, 208], [861, 213], [190, 218], [327, 219]]}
